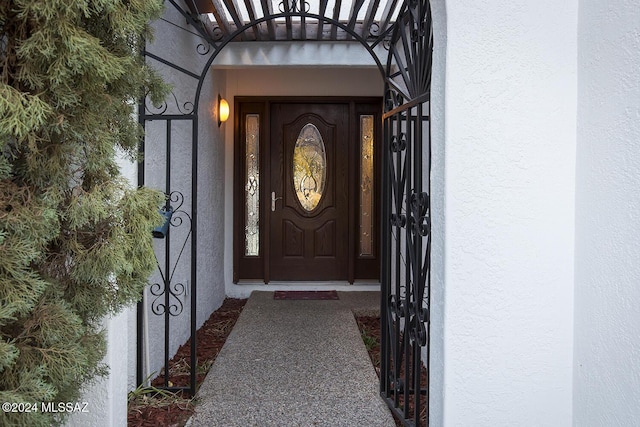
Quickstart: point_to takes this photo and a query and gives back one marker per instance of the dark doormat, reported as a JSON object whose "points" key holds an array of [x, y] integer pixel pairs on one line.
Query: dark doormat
{"points": [[305, 295]]}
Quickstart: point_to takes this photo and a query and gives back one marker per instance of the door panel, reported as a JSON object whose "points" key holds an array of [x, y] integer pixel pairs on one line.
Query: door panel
{"points": [[309, 237]]}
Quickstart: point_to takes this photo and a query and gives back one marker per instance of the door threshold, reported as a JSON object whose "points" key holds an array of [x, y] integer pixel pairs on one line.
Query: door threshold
{"points": [[246, 287], [308, 284]]}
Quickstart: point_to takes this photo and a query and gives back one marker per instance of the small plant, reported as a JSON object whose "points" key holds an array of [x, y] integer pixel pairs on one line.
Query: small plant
{"points": [[369, 341], [150, 395]]}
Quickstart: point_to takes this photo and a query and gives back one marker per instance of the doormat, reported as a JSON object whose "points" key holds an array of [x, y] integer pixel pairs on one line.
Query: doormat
{"points": [[305, 295]]}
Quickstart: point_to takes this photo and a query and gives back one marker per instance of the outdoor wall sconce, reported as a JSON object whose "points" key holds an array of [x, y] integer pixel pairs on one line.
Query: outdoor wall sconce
{"points": [[161, 231], [223, 110]]}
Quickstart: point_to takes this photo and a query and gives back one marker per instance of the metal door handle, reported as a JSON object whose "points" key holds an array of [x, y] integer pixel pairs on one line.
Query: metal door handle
{"points": [[273, 201]]}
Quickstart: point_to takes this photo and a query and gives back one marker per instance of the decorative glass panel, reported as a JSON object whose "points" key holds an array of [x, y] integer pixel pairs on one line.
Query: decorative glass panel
{"points": [[366, 185], [309, 167], [252, 185]]}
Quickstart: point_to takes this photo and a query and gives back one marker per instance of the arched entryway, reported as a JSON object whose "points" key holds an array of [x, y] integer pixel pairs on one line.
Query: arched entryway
{"points": [[399, 39]]}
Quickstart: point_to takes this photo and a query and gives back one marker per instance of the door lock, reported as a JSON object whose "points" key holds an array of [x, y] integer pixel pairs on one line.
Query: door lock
{"points": [[273, 201]]}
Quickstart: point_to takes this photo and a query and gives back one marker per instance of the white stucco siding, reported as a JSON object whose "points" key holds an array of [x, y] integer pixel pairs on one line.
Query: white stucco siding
{"points": [[307, 81], [294, 54], [436, 316], [607, 317], [510, 120], [106, 398]]}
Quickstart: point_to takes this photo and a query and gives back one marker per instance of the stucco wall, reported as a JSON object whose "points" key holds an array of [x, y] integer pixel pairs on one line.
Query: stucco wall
{"points": [[607, 294], [438, 152], [106, 398], [510, 131]]}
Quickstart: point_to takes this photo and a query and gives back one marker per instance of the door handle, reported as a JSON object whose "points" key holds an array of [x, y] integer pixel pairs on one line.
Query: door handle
{"points": [[273, 201]]}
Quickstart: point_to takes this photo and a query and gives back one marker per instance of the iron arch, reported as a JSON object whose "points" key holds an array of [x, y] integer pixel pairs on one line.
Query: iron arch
{"points": [[215, 45], [406, 208]]}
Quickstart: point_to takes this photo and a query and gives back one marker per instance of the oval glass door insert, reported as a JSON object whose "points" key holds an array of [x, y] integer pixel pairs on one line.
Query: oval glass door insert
{"points": [[309, 167]]}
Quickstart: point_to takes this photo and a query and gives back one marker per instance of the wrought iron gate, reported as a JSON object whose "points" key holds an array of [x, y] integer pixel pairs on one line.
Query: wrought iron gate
{"points": [[406, 213], [405, 31], [170, 299]]}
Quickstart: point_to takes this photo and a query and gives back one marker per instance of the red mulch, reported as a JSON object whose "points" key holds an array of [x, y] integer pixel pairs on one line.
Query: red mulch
{"points": [[209, 341], [370, 326]]}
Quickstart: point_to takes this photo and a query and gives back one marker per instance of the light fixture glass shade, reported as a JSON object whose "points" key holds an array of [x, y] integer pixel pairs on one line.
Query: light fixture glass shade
{"points": [[223, 110]]}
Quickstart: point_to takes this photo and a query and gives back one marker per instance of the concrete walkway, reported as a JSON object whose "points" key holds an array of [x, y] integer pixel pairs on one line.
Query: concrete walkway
{"points": [[294, 363]]}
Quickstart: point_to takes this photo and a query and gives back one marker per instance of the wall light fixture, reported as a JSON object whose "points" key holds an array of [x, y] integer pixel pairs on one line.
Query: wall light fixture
{"points": [[223, 110]]}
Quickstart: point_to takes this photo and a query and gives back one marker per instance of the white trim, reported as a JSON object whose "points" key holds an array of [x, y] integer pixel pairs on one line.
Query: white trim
{"points": [[244, 288]]}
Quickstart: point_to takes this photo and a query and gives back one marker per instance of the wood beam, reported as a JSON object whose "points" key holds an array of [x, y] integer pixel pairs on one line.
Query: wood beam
{"points": [[221, 17], [322, 10], [369, 17], [336, 17], [233, 9], [251, 10], [356, 5], [267, 10], [385, 19]]}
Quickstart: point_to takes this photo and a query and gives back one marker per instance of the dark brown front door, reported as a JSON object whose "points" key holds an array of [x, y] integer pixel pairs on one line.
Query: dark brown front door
{"points": [[305, 189], [309, 200]]}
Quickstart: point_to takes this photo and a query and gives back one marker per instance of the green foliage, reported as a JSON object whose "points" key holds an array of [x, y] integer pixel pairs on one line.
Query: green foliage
{"points": [[75, 239]]}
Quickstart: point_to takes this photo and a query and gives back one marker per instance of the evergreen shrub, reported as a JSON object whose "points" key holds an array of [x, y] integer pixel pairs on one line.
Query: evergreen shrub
{"points": [[75, 237]]}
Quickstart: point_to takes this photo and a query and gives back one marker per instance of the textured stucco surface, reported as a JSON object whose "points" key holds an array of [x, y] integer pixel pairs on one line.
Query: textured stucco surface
{"points": [[106, 399], [510, 119], [607, 316], [295, 54], [436, 372]]}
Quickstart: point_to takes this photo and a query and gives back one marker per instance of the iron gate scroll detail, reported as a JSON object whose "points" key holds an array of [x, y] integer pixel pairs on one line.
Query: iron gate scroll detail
{"points": [[168, 294], [406, 226]]}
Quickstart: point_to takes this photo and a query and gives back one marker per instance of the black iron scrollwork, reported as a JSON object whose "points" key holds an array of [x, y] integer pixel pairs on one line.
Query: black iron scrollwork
{"points": [[407, 225], [398, 143], [168, 294], [294, 6], [398, 220], [393, 99], [186, 108], [175, 291], [417, 328], [374, 29], [420, 222], [203, 48]]}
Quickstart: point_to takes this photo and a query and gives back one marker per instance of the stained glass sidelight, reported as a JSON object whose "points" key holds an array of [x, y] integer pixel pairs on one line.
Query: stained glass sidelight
{"points": [[252, 185], [366, 185], [309, 167]]}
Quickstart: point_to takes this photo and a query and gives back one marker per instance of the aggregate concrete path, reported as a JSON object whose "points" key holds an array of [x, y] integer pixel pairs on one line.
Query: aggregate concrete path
{"points": [[294, 363]]}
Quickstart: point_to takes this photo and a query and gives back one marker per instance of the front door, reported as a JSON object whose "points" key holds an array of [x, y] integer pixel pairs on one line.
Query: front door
{"points": [[309, 191], [305, 189]]}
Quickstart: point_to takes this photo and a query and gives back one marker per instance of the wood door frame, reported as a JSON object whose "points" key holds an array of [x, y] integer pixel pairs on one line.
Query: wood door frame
{"points": [[257, 268]]}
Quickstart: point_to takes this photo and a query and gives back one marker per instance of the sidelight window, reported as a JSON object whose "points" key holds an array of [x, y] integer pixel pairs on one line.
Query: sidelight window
{"points": [[252, 185], [366, 185]]}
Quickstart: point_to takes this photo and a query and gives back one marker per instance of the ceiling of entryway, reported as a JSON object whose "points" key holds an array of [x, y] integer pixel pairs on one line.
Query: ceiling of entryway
{"points": [[275, 20]]}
